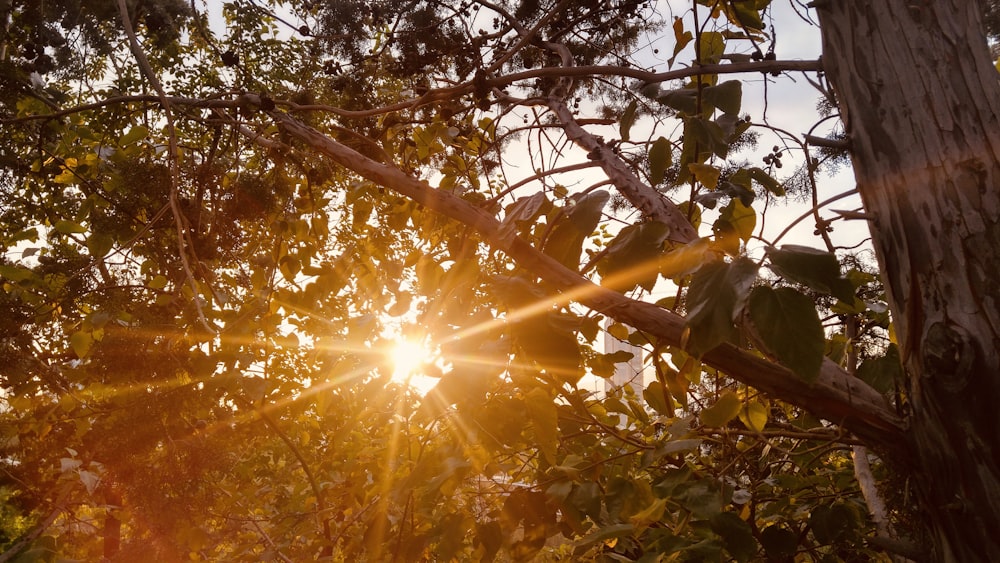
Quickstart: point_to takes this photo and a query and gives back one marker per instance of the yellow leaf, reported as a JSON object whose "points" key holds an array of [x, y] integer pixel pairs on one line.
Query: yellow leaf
{"points": [[707, 174], [724, 410], [754, 416]]}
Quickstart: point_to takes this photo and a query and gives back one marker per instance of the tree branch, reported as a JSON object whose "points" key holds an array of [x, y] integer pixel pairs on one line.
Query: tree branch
{"points": [[834, 396]]}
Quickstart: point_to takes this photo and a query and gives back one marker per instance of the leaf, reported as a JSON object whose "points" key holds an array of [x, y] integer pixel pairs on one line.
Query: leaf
{"points": [[766, 180], [69, 227], [525, 209], [632, 258], [707, 174], [753, 415], [747, 15], [158, 282], [707, 136], [684, 100], [605, 533], [712, 45], [737, 537], [816, 269], [658, 399], [727, 96], [659, 160], [81, 342], [741, 218], [789, 327], [882, 372], [98, 244], [725, 409], [134, 135], [565, 244], [628, 119], [715, 298], [833, 523], [779, 542], [681, 39], [544, 420], [15, 273]]}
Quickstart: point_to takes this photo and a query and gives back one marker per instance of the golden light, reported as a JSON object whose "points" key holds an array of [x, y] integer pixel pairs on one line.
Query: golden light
{"points": [[409, 358]]}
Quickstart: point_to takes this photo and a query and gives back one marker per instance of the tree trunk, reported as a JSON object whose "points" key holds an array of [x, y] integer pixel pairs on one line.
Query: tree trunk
{"points": [[920, 99]]}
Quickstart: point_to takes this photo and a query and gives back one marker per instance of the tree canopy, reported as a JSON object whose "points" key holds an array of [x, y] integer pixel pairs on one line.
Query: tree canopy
{"points": [[220, 219]]}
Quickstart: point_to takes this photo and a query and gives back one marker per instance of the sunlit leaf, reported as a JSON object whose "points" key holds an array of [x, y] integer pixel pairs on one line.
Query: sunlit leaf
{"points": [[81, 342], [134, 135], [69, 227], [544, 420], [726, 408], [754, 415]]}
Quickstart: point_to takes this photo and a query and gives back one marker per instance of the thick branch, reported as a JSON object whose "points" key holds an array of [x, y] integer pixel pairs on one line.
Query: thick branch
{"points": [[650, 202], [835, 396]]}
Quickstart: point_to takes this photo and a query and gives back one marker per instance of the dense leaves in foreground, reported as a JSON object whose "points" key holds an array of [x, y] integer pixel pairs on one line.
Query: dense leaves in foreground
{"points": [[200, 299]]}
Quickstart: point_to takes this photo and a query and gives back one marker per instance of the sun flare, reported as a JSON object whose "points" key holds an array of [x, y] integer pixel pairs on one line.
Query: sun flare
{"points": [[409, 358]]}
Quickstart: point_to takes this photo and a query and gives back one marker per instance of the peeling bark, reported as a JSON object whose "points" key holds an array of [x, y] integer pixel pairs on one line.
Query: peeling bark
{"points": [[920, 99]]}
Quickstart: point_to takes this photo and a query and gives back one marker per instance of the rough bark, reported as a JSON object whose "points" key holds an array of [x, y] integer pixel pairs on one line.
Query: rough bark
{"points": [[920, 99]]}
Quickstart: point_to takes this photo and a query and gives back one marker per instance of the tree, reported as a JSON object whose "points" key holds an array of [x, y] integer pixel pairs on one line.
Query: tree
{"points": [[213, 238]]}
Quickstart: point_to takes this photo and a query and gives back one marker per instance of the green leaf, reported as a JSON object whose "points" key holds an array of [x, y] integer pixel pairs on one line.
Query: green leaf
{"points": [[524, 210], [747, 15], [707, 136], [81, 341], [632, 258], [779, 542], [833, 523], [158, 282], [15, 273], [134, 135], [628, 119], [789, 327], [737, 536], [816, 269], [544, 420], [725, 409], [741, 218], [766, 180], [98, 244], [566, 241], [69, 227], [605, 533], [726, 96], [659, 160], [715, 299], [713, 45], [754, 415], [658, 399], [882, 372], [684, 100], [706, 174]]}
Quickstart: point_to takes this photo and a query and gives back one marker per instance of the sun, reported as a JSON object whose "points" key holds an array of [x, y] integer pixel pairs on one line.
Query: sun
{"points": [[409, 358]]}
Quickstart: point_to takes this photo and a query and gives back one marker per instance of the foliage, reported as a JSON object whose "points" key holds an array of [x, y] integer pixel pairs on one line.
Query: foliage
{"points": [[199, 298]]}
